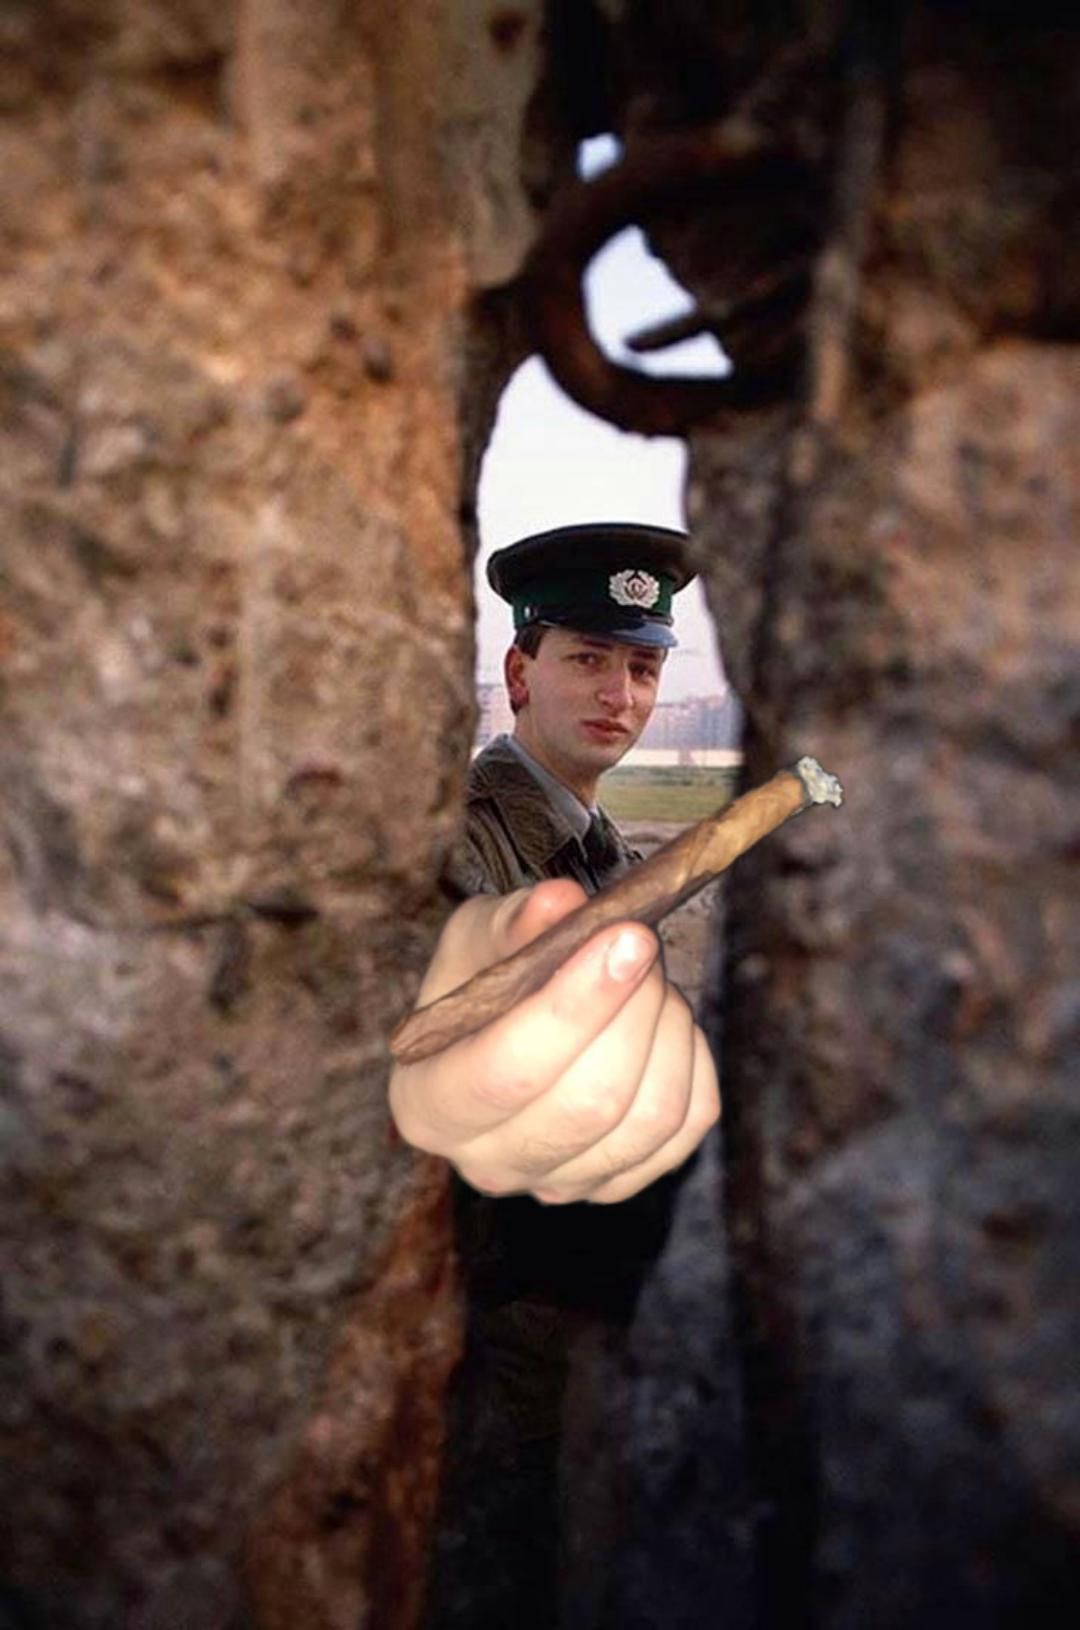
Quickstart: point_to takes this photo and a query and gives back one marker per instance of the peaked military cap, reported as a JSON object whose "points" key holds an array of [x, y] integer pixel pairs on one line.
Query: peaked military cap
{"points": [[615, 578]]}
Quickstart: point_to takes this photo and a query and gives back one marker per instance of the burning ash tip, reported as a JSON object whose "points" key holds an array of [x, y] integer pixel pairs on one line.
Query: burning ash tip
{"points": [[821, 787]]}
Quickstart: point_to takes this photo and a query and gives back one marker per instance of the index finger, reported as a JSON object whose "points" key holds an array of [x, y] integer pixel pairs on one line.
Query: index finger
{"points": [[490, 927], [487, 1077]]}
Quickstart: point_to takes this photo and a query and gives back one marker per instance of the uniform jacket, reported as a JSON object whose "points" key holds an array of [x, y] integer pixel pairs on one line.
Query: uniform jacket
{"points": [[514, 836], [549, 1289]]}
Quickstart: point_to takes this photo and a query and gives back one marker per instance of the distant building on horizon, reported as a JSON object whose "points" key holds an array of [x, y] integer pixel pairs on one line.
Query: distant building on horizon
{"points": [[494, 717], [675, 731], [695, 722]]}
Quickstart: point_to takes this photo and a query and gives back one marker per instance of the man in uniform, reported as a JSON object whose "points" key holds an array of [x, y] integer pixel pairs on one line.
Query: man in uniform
{"points": [[591, 636], [591, 1090], [601, 1082]]}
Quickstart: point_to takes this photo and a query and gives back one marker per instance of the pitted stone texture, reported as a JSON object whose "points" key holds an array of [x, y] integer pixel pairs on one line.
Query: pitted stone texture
{"points": [[234, 658], [902, 1035]]}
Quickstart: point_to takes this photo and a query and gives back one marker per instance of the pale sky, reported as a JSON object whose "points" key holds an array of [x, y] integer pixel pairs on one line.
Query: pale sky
{"points": [[549, 463]]}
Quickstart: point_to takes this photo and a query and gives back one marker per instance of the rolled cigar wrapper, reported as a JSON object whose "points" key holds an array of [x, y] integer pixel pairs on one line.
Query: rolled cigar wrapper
{"points": [[646, 895]]}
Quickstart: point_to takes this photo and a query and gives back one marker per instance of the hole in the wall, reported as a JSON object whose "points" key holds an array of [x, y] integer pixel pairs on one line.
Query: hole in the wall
{"points": [[549, 463], [507, 1516]]}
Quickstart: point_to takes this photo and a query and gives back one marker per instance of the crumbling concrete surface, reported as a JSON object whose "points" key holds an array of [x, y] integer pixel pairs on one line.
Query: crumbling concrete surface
{"points": [[235, 658], [893, 562]]}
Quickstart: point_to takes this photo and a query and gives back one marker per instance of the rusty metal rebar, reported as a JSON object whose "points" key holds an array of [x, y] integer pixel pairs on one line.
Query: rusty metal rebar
{"points": [[661, 175]]}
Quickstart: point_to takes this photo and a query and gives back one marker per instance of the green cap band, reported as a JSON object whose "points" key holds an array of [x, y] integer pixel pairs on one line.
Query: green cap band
{"points": [[631, 589]]}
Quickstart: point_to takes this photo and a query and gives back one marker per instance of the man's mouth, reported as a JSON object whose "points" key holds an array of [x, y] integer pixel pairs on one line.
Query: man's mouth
{"points": [[606, 728]]}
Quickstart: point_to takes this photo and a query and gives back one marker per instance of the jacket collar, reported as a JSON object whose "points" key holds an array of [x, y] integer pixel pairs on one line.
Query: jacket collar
{"points": [[566, 803], [499, 774]]}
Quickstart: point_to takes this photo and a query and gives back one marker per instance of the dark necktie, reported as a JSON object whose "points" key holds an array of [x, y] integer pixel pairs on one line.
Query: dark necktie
{"points": [[601, 850]]}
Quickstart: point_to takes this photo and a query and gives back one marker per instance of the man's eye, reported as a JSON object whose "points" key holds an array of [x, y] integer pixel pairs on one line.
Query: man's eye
{"points": [[587, 659], [644, 673]]}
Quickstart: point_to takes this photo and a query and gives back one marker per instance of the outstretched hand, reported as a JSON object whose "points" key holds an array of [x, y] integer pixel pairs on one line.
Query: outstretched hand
{"points": [[588, 1090]]}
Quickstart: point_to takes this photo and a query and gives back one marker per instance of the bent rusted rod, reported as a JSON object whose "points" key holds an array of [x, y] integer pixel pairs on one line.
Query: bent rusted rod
{"points": [[667, 879], [660, 173]]}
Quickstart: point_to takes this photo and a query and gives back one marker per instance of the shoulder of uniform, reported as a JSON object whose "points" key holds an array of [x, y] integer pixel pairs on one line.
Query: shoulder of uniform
{"points": [[491, 763]]}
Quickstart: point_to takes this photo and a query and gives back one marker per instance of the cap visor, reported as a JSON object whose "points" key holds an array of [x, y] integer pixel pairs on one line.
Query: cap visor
{"points": [[647, 634], [642, 631]]}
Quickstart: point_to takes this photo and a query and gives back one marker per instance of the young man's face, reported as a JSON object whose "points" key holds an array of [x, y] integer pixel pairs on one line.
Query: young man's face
{"points": [[588, 698]]}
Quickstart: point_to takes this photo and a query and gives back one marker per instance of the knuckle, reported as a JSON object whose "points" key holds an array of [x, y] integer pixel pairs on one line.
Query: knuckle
{"points": [[663, 1116], [609, 1162], [492, 1181], [615, 1191], [504, 1089], [706, 1113], [556, 1196], [606, 1169], [535, 1157], [459, 946], [591, 1115], [678, 1002], [413, 1128], [449, 951]]}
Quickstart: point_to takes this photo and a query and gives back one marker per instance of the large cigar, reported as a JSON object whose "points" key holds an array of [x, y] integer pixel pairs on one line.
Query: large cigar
{"points": [[645, 895]]}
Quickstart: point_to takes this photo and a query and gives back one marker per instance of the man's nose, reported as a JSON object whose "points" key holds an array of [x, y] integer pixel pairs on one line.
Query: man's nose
{"points": [[616, 690]]}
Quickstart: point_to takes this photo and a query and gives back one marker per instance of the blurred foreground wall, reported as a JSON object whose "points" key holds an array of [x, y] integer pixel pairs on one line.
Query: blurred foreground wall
{"points": [[892, 560], [235, 660]]}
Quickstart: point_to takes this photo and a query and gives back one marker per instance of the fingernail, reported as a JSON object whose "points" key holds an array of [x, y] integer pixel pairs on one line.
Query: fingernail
{"points": [[628, 955]]}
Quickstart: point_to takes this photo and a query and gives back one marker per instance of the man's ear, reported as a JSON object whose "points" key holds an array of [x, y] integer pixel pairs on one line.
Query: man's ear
{"points": [[514, 672]]}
